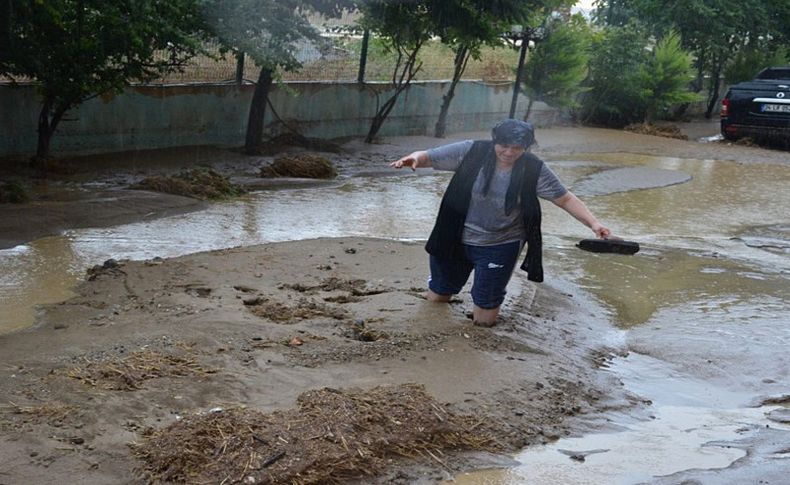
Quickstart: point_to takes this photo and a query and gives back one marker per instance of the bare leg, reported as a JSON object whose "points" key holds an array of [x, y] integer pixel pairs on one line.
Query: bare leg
{"points": [[485, 317], [431, 296]]}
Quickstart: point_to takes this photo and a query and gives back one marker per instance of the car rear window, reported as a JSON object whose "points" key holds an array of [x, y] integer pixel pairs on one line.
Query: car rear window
{"points": [[775, 73]]}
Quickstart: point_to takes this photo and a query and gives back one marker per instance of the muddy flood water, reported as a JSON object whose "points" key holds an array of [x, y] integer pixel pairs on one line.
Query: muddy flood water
{"points": [[703, 309]]}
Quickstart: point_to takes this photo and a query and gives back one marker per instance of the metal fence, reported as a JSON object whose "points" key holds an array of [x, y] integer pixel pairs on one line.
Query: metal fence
{"points": [[340, 61]]}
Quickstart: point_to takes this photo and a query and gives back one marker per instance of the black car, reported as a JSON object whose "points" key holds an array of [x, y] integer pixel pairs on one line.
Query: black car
{"points": [[760, 108]]}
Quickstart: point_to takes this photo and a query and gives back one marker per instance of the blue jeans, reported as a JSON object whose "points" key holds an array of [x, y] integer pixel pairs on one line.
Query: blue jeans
{"points": [[493, 266]]}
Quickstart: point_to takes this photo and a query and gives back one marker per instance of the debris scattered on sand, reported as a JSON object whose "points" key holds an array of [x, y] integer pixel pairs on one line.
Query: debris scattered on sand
{"points": [[356, 287], [17, 416], [282, 313], [363, 334], [330, 437], [111, 266], [130, 372]]}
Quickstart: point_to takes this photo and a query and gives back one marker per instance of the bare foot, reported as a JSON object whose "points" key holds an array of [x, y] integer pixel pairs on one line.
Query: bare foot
{"points": [[479, 323]]}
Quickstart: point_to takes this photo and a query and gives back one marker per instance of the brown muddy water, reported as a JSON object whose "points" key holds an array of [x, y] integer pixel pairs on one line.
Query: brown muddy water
{"points": [[703, 308]]}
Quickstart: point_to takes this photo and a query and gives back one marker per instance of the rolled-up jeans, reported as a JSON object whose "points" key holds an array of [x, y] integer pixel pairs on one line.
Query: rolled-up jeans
{"points": [[493, 267]]}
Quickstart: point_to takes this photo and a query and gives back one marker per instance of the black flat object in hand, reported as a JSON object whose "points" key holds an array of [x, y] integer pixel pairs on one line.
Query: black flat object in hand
{"points": [[617, 246]]}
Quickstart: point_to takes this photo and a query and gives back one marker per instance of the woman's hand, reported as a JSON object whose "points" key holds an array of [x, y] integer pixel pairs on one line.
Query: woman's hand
{"points": [[412, 160], [601, 231]]}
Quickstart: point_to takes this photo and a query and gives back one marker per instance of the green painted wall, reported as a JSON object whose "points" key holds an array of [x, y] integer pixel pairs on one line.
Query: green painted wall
{"points": [[146, 117]]}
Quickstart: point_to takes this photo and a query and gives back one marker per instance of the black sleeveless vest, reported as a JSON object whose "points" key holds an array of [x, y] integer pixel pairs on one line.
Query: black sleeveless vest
{"points": [[445, 240]]}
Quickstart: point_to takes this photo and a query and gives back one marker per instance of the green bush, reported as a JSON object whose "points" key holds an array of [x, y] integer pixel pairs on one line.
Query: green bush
{"points": [[615, 96]]}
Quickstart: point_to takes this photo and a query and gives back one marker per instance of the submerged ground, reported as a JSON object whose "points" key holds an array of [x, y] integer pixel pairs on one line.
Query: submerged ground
{"points": [[302, 361]]}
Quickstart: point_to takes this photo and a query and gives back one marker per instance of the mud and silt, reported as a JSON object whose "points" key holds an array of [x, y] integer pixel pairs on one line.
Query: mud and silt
{"points": [[309, 362]]}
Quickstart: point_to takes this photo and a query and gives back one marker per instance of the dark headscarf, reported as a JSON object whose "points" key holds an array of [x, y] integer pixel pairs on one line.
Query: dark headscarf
{"points": [[513, 132], [509, 132]]}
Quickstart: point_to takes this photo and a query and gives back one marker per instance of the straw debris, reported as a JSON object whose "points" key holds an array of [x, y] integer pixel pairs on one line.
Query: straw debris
{"points": [[197, 183], [129, 373], [16, 416], [302, 165], [332, 436]]}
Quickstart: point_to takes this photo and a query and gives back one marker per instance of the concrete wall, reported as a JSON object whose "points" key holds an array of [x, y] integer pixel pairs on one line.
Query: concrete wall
{"points": [[216, 114]]}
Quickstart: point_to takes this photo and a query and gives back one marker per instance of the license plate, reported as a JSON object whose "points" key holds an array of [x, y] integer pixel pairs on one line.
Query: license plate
{"points": [[776, 108]]}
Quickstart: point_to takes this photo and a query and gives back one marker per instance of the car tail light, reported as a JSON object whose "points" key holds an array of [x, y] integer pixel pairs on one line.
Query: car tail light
{"points": [[725, 107]]}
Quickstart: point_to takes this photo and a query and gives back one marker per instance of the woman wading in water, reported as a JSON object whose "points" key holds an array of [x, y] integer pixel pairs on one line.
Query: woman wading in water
{"points": [[489, 211]]}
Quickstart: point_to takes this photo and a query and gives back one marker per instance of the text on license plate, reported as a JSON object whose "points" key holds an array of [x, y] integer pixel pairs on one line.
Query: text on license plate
{"points": [[776, 108]]}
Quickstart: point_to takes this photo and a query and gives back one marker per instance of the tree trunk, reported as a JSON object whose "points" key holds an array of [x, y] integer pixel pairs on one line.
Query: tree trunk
{"points": [[461, 59], [529, 109], [401, 79], [48, 121], [650, 116], [715, 85], [257, 111], [381, 116]]}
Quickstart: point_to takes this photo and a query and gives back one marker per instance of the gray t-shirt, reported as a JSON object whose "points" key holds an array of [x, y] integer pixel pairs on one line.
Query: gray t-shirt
{"points": [[486, 223]]}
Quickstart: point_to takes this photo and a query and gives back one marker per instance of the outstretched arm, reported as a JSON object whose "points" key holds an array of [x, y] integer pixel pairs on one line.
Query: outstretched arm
{"points": [[575, 207], [413, 160]]}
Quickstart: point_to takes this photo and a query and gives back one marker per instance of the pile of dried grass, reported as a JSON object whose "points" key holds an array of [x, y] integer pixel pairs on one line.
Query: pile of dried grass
{"points": [[332, 436], [303, 165], [665, 130], [130, 372], [198, 183]]}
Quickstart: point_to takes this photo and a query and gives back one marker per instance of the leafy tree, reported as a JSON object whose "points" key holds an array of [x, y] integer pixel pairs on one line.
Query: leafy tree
{"points": [[613, 13], [664, 78], [271, 32], [468, 25], [76, 50], [712, 30], [614, 97], [403, 28], [751, 60], [558, 65]]}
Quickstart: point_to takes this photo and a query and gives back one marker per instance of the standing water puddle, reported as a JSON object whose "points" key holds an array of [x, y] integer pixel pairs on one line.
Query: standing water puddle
{"points": [[692, 425], [704, 304]]}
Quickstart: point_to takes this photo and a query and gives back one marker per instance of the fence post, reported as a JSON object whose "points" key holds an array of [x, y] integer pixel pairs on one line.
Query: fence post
{"points": [[363, 57], [239, 68], [517, 85]]}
